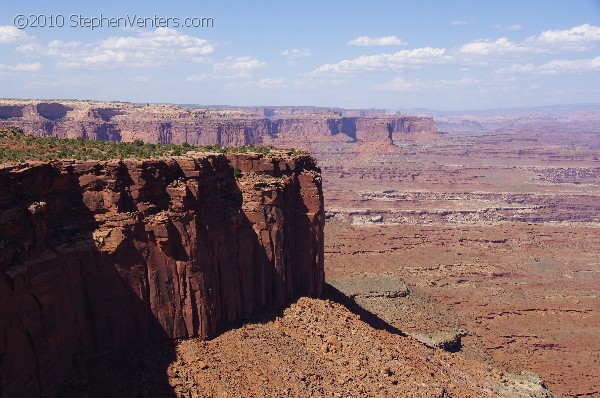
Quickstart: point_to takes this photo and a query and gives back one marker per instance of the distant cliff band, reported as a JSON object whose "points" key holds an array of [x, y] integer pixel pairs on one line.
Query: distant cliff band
{"points": [[117, 121]]}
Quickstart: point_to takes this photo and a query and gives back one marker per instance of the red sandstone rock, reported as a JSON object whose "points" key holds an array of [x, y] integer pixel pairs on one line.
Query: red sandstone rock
{"points": [[97, 256], [117, 121]]}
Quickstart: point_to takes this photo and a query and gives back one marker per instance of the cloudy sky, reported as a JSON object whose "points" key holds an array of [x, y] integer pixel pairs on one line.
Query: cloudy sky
{"points": [[446, 55]]}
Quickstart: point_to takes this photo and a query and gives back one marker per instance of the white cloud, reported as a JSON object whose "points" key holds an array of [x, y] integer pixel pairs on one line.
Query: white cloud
{"points": [[385, 62], [11, 35], [196, 78], [571, 66], [461, 23], [157, 41], [400, 84], [270, 84], [555, 67], [55, 48], [162, 46], [485, 52], [377, 41], [294, 83], [451, 88], [11, 69], [501, 46], [517, 68], [241, 64], [579, 34], [236, 68], [512, 27], [296, 54], [34, 67], [577, 39]]}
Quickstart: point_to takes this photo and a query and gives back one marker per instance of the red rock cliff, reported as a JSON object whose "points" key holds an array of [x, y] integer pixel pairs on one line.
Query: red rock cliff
{"points": [[96, 256], [116, 121]]}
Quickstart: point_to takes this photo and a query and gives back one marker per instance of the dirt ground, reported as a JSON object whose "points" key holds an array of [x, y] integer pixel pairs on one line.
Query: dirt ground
{"points": [[315, 348], [526, 295]]}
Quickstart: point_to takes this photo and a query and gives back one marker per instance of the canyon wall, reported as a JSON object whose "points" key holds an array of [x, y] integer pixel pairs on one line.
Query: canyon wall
{"points": [[98, 256], [116, 121]]}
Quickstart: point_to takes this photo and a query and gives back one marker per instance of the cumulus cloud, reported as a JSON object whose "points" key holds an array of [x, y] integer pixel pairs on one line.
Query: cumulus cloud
{"points": [[577, 39], [230, 68], [241, 64], [157, 41], [400, 84], [571, 66], [377, 41], [555, 67], [512, 27], [240, 67], [143, 49], [55, 48], [485, 52], [34, 67], [517, 68], [501, 46], [382, 62], [270, 84], [11, 69], [11, 35], [296, 54], [196, 78], [461, 23]]}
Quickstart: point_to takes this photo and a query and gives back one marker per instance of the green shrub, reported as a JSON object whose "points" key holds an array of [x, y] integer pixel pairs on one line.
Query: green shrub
{"points": [[15, 146]]}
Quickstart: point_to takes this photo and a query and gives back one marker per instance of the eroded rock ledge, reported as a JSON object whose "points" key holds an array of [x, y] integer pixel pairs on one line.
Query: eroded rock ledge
{"points": [[97, 256], [165, 124]]}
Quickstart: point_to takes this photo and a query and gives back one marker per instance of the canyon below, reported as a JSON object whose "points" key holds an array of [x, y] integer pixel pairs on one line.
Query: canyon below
{"points": [[413, 253]]}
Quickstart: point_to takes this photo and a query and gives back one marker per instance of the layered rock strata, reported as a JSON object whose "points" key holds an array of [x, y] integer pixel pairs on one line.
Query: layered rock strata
{"points": [[118, 121], [98, 256]]}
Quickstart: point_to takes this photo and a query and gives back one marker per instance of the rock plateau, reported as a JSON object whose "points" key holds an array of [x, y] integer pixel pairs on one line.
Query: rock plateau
{"points": [[99, 256]]}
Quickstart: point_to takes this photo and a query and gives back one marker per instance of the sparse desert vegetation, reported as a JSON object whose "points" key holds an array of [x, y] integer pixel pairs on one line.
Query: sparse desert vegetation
{"points": [[15, 146]]}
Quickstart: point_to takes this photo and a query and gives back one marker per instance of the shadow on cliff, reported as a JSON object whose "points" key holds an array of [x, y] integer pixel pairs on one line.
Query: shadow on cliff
{"points": [[118, 326], [246, 266], [366, 316], [63, 302], [93, 321]]}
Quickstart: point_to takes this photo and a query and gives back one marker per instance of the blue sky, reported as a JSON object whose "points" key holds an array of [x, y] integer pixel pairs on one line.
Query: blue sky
{"points": [[447, 55]]}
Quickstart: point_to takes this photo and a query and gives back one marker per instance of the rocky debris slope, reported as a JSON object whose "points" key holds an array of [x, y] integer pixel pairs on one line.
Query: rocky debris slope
{"points": [[119, 121], [315, 348], [387, 296], [98, 256]]}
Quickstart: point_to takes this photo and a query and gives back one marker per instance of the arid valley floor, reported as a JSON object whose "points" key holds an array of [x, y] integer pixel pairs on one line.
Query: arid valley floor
{"points": [[496, 236]]}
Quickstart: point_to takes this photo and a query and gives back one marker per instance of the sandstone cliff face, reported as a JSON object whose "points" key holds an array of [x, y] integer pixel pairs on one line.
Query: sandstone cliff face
{"points": [[97, 256], [172, 124]]}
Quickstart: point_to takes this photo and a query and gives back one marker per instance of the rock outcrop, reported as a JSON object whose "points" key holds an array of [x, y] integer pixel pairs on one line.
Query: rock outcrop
{"points": [[119, 121], [98, 256]]}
